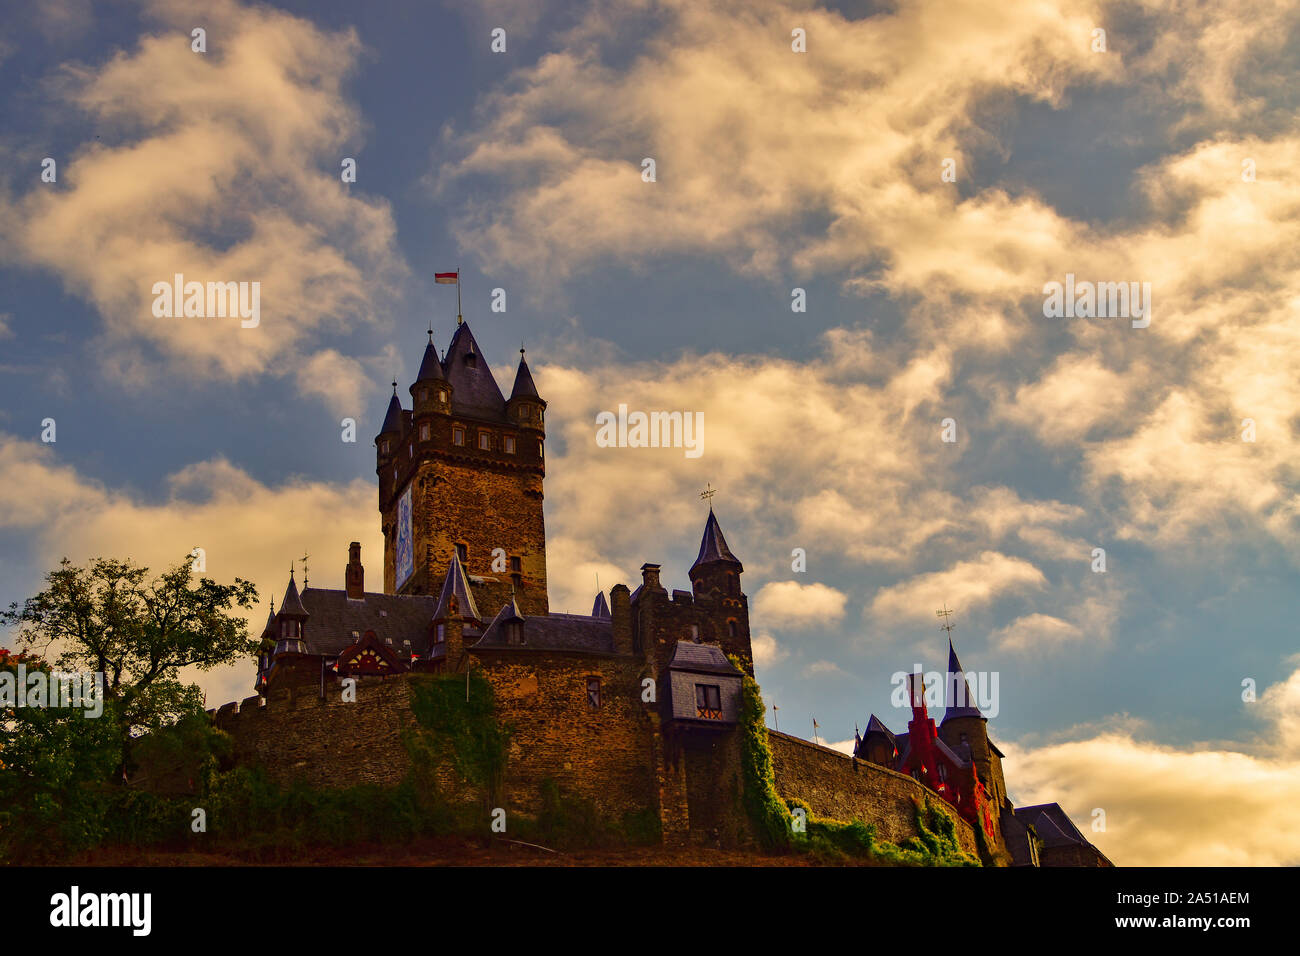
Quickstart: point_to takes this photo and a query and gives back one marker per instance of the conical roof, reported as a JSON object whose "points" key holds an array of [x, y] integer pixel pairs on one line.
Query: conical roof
{"points": [[456, 583], [431, 366], [291, 606], [601, 607], [713, 546], [393, 420], [524, 387], [964, 704]]}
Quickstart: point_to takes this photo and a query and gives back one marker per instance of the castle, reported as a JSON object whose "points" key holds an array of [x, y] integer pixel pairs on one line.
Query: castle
{"points": [[633, 707]]}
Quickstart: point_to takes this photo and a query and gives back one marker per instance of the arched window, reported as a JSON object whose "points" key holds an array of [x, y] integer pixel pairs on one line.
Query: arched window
{"points": [[732, 629]]}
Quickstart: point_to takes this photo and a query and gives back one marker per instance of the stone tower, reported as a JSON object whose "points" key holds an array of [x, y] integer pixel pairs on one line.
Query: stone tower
{"points": [[461, 471]]}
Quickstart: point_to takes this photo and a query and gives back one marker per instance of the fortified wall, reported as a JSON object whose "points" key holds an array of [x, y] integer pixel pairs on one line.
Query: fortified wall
{"points": [[838, 786], [612, 758]]}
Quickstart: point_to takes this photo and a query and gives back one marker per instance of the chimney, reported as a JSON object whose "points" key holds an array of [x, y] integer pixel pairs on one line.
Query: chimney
{"points": [[354, 576], [650, 577], [621, 619]]}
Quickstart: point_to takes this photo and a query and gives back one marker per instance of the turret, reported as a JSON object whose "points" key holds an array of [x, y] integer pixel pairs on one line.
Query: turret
{"points": [[525, 407], [431, 392], [715, 580], [292, 617]]}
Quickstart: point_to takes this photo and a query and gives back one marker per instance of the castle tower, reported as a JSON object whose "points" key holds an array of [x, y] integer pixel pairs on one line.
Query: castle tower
{"points": [[715, 578], [965, 730], [462, 473]]}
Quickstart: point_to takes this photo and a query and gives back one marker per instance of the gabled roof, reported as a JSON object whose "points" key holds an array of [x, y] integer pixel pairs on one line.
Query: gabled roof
{"points": [[552, 632], [876, 726], [291, 606], [601, 607], [713, 546], [524, 387], [431, 365], [456, 583], [964, 706], [474, 390], [334, 617], [1054, 826], [701, 659], [393, 420]]}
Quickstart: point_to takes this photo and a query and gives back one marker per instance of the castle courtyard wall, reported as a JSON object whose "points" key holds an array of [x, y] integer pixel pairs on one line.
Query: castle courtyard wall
{"points": [[837, 786]]}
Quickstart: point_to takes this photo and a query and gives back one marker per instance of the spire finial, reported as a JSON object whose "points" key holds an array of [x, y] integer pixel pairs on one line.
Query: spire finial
{"points": [[394, 387], [708, 493], [947, 624]]}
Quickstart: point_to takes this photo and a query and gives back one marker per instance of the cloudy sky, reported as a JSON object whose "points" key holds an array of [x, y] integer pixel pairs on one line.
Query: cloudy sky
{"points": [[1169, 157]]}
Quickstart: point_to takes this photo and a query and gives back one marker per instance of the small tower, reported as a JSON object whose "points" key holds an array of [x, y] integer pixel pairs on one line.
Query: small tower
{"points": [[715, 581], [293, 616], [965, 730]]}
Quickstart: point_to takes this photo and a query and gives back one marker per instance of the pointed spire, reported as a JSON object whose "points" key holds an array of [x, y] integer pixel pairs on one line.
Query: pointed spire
{"points": [[524, 387], [456, 584], [474, 389], [291, 606], [431, 365], [963, 706], [713, 546], [601, 608], [393, 420]]}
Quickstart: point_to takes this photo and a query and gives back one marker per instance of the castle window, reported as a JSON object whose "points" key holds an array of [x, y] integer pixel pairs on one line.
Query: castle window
{"points": [[523, 413], [539, 450], [410, 451], [440, 634], [509, 444], [485, 441], [708, 701], [514, 633], [515, 563], [462, 552], [539, 415], [731, 627], [458, 436], [593, 693], [943, 772], [424, 394], [442, 396], [424, 431], [695, 633], [383, 447]]}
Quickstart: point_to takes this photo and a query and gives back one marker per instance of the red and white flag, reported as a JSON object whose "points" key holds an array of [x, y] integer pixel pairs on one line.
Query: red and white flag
{"points": [[446, 278]]}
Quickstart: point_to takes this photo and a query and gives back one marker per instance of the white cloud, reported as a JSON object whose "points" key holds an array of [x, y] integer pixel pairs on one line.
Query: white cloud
{"points": [[799, 606]]}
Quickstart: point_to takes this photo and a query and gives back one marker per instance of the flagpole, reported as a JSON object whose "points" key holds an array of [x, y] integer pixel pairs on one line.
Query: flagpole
{"points": [[459, 317]]}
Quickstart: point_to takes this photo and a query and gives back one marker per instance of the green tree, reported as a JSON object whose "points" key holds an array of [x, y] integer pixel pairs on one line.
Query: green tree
{"points": [[112, 618]]}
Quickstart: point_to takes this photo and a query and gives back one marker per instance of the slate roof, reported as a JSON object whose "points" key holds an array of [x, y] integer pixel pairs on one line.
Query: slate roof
{"points": [[431, 365], [292, 604], [474, 391], [1053, 824], [458, 584], [334, 617], [556, 632], [393, 420], [601, 607], [701, 659], [524, 387], [1016, 834], [967, 708], [713, 546]]}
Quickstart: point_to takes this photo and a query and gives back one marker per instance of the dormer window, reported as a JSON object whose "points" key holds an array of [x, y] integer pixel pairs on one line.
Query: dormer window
{"points": [[514, 633], [471, 359], [441, 634]]}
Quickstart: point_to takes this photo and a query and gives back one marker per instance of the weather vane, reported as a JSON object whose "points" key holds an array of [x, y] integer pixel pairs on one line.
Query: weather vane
{"points": [[947, 624], [708, 492], [305, 556]]}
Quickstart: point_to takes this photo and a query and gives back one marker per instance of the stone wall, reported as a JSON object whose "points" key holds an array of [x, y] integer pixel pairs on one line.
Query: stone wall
{"points": [[837, 786]]}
